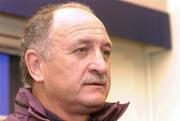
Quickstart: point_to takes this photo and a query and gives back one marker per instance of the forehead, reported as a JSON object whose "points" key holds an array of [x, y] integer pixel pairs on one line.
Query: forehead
{"points": [[71, 17], [69, 22]]}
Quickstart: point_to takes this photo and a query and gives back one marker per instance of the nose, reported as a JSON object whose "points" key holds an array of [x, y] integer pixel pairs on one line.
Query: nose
{"points": [[98, 63]]}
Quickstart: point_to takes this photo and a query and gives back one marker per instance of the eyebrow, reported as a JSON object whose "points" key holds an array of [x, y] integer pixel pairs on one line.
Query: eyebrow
{"points": [[107, 44], [88, 42], [83, 41]]}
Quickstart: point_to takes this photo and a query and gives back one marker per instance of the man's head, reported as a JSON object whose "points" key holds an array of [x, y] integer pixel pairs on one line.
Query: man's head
{"points": [[67, 55], [36, 33]]}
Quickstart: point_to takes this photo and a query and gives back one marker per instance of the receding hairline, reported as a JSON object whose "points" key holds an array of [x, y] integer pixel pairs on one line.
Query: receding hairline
{"points": [[75, 6], [73, 16]]}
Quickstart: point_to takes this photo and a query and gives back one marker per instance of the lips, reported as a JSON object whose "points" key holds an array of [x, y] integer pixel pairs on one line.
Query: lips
{"points": [[95, 79], [96, 83]]}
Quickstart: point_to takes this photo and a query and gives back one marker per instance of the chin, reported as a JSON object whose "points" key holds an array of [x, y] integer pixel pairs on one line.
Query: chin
{"points": [[95, 102], [90, 104]]}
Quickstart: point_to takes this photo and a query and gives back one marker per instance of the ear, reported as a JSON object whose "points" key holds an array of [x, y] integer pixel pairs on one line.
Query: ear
{"points": [[34, 65]]}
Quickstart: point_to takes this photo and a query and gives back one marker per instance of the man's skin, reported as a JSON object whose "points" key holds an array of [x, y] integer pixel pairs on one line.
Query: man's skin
{"points": [[75, 81]]}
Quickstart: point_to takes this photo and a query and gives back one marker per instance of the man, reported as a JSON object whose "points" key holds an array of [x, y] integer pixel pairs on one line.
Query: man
{"points": [[66, 59]]}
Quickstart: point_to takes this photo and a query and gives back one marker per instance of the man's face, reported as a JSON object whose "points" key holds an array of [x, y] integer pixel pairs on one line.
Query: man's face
{"points": [[79, 71]]}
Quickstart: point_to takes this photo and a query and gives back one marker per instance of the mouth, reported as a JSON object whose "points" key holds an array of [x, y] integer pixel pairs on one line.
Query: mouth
{"points": [[95, 80], [95, 84]]}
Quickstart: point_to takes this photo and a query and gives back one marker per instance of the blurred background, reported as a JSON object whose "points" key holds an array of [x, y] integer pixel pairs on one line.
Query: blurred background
{"points": [[145, 59]]}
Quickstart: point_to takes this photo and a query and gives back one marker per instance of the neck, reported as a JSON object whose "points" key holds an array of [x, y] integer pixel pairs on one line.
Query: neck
{"points": [[60, 110]]}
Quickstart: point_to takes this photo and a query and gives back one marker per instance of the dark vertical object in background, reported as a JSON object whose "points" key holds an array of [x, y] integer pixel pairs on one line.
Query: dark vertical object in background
{"points": [[15, 79], [4, 84]]}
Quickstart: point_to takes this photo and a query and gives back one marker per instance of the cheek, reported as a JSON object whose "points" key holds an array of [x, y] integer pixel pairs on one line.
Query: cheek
{"points": [[65, 75], [62, 85]]}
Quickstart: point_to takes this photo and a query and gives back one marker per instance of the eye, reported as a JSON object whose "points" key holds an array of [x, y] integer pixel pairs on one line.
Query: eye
{"points": [[106, 53], [81, 51]]}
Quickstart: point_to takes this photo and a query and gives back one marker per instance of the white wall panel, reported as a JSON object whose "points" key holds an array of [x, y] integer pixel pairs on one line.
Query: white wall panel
{"points": [[129, 79]]}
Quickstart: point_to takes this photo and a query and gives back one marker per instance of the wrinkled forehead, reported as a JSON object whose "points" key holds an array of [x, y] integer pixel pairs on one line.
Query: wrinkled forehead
{"points": [[69, 23], [67, 17]]}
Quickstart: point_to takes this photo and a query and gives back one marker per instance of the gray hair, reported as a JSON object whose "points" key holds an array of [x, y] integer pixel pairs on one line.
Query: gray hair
{"points": [[36, 33]]}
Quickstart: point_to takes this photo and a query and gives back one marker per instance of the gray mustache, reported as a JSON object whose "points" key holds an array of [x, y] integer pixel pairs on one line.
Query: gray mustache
{"points": [[96, 79]]}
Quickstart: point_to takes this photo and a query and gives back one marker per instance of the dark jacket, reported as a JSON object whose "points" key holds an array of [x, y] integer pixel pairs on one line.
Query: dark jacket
{"points": [[28, 108]]}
